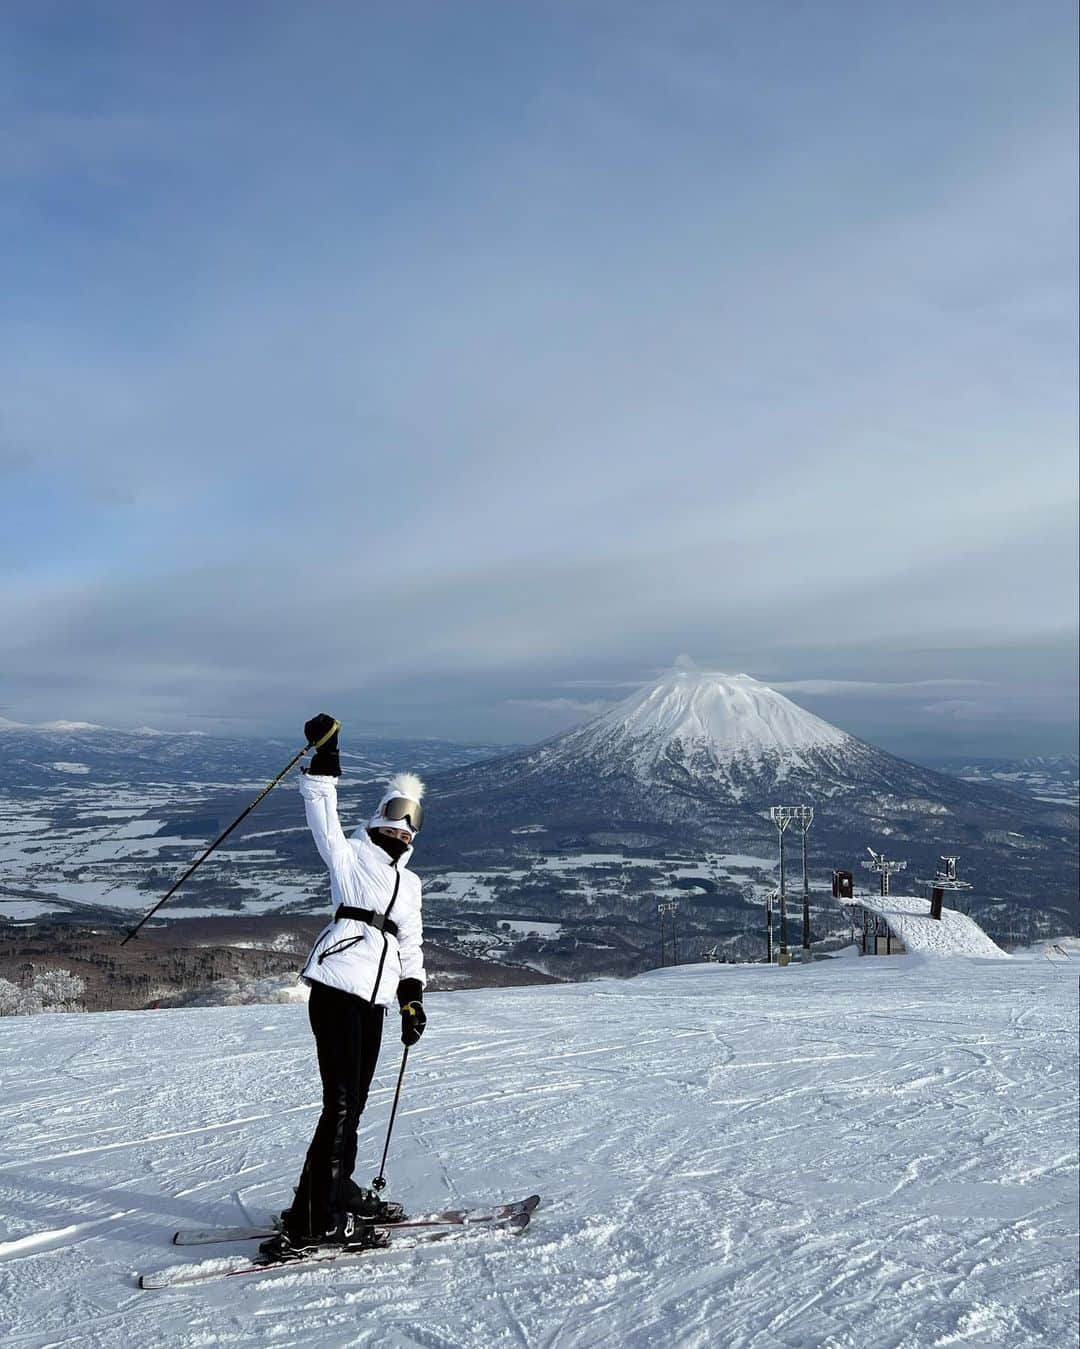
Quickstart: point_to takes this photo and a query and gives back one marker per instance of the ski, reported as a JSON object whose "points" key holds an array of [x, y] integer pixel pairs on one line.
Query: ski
{"points": [[447, 1217], [195, 1236], [209, 1270]]}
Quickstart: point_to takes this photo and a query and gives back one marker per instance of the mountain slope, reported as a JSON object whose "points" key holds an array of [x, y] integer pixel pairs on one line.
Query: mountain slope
{"points": [[894, 1167], [696, 747], [729, 729], [738, 716], [699, 758]]}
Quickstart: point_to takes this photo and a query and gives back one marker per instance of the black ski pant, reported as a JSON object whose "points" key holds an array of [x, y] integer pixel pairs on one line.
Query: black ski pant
{"points": [[348, 1032]]}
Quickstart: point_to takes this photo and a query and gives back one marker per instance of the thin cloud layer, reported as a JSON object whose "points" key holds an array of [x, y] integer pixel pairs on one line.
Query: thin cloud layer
{"points": [[437, 366]]}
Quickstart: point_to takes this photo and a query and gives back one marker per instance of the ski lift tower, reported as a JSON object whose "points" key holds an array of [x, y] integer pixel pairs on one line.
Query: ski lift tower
{"points": [[782, 816], [665, 907], [885, 867], [804, 818], [945, 879]]}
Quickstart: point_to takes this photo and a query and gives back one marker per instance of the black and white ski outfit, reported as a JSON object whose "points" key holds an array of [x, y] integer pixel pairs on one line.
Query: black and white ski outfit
{"points": [[351, 955], [368, 956]]}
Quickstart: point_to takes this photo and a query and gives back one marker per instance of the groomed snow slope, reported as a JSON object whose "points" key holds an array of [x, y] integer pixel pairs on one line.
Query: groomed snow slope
{"points": [[953, 934], [851, 1154]]}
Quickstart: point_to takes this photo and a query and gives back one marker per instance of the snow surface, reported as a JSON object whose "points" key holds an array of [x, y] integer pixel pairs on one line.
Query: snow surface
{"points": [[735, 715], [855, 1154], [1054, 948], [525, 926], [24, 909], [954, 934]]}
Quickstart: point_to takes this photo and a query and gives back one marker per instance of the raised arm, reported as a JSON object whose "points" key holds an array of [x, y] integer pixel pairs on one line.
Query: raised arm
{"points": [[318, 787]]}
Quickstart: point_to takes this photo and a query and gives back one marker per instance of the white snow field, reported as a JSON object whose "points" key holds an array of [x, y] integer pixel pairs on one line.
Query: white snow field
{"points": [[863, 1153]]}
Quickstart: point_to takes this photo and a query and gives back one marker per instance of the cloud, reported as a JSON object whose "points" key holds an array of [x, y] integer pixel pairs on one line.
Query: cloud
{"points": [[603, 683], [313, 388], [864, 688], [961, 709], [560, 707]]}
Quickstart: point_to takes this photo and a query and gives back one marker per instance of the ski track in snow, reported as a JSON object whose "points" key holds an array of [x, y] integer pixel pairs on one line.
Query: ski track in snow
{"points": [[874, 1154]]}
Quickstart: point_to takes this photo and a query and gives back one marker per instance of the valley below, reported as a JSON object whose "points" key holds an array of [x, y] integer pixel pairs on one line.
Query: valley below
{"points": [[641, 838]]}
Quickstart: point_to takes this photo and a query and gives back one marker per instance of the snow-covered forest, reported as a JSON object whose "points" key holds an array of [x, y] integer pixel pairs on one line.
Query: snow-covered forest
{"points": [[46, 991]]}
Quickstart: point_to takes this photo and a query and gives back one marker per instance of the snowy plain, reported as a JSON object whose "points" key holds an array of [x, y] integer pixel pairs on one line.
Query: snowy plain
{"points": [[853, 1154]]}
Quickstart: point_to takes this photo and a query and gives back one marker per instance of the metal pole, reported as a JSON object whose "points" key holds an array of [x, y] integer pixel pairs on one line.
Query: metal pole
{"points": [[379, 1183], [223, 836], [660, 916], [805, 896], [783, 900], [768, 928], [674, 942]]}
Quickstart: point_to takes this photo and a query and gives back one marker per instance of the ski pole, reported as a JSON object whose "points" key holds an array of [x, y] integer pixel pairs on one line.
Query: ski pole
{"points": [[222, 837], [379, 1183]]}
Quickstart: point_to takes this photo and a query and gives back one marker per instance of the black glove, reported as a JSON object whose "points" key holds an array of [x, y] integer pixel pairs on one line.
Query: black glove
{"points": [[325, 762], [413, 1016], [413, 1021]]}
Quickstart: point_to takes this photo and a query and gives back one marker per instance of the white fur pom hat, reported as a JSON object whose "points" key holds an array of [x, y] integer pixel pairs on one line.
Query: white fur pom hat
{"points": [[401, 787]]}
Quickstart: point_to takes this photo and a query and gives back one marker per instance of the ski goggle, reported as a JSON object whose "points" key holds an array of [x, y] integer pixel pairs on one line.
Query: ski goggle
{"points": [[403, 808]]}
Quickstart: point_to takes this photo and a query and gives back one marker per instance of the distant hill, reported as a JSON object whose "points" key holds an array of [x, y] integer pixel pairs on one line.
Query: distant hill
{"points": [[49, 755]]}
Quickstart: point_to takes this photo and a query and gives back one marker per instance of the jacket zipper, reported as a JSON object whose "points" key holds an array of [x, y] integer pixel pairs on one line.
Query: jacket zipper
{"points": [[385, 938]]}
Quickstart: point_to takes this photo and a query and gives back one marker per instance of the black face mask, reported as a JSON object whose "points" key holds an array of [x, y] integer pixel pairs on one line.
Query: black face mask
{"points": [[395, 848]]}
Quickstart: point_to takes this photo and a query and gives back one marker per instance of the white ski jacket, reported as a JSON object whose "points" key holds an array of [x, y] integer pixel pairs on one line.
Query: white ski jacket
{"points": [[349, 954]]}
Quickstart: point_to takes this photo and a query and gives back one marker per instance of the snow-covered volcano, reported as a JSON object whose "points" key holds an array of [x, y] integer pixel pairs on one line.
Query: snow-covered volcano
{"points": [[700, 757], [730, 719], [697, 737]]}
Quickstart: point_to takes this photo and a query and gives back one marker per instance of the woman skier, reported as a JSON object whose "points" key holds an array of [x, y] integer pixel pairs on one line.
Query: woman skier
{"points": [[369, 954]]}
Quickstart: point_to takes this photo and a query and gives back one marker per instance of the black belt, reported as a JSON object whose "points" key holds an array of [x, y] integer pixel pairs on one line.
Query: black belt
{"points": [[378, 921]]}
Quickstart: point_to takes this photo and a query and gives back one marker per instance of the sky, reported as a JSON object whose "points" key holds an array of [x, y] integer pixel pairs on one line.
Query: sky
{"points": [[455, 367]]}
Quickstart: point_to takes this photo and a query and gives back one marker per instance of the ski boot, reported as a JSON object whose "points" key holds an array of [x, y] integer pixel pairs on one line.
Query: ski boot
{"points": [[367, 1207], [347, 1235]]}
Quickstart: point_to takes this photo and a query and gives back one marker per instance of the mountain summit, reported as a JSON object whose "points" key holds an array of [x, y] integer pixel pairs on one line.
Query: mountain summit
{"points": [[698, 758], [726, 717], [699, 751], [719, 738]]}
